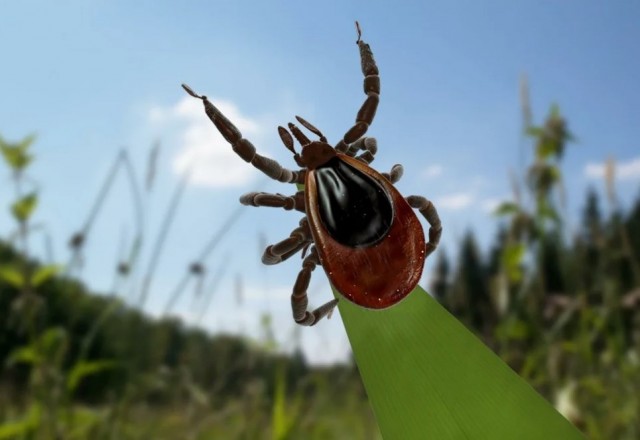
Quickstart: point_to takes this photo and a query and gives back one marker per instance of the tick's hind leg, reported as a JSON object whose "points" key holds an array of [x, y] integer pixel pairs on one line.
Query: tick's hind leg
{"points": [[299, 239], [299, 300], [430, 213], [367, 144], [395, 174]]}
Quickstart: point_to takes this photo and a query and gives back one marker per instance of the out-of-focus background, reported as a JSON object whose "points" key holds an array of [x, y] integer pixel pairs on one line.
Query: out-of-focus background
{"points": [[133, 303]]}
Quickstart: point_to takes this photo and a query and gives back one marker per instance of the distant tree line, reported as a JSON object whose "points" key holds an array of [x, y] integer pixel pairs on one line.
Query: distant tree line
{"points": [[593, 266], [139, 346]]}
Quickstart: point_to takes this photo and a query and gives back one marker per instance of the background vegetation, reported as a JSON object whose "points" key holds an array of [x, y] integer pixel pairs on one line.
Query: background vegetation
{"points": [[559, 303]]}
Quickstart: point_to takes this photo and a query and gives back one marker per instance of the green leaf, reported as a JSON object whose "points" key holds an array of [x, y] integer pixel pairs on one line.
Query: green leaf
{"points": [[428, 377], [52, 345], [594, 384], [282, 418], [86, 368], [49, 347], [84, 421], [546, 211], [44, 273], [506, 208], [24, 355], [24, 207], [547, 148], [513, 329], [543, 176], [21, 428], [511, 260], [536, 132], [52, 338], [22, 145], [555, 173], [17, 155], [13, 276]]}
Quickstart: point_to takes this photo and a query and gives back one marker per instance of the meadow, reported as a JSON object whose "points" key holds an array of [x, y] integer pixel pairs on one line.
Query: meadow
{"points": [[557, 302]]}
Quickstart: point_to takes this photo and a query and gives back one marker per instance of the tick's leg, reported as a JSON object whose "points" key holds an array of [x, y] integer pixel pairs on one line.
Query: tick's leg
{"points": [[367, 144], [274, 200], [395, 174], [299, 300], [299, 239], [429, 212], [243, 147], [371, 89]]}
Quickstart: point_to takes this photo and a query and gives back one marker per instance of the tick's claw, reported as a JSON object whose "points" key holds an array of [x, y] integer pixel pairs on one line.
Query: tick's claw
{"points": [[190, 91]]}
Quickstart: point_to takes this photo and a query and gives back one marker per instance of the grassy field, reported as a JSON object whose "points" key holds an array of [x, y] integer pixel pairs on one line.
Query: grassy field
{"points": [[561, 310]]}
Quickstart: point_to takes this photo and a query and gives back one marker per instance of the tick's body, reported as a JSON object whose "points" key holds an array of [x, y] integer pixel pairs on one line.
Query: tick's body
{"points": [[361, 230], [384, 262]]}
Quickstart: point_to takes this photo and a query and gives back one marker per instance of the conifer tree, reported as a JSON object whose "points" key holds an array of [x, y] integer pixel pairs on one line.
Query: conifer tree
{"points": [[470, 292], [439, 287]]}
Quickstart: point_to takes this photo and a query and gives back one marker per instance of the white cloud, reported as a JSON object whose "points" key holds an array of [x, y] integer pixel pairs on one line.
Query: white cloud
{"points": [[454, 201], [202, 149], [627, 170], [490, 205], [432, 171], [594, 170]]}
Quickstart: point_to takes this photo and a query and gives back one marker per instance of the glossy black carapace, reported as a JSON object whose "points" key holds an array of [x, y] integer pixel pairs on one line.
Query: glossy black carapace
{"points": [[355, 209]]}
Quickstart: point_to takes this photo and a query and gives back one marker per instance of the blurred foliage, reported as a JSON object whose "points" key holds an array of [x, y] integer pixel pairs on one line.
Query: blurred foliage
{"points": [[76, 365], [559, 305], [218, 384]]}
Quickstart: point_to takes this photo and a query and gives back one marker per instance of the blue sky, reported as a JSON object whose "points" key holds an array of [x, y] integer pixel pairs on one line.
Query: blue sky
{"points": [[93, 77]]}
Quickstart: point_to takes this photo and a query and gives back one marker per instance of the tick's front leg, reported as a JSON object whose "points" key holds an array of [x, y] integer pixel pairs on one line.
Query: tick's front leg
{"points": [[243, 147], [367, 111]]}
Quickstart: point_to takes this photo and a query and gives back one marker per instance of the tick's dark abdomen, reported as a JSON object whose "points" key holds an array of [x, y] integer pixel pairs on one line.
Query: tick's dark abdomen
{"points": [[354, 208]]}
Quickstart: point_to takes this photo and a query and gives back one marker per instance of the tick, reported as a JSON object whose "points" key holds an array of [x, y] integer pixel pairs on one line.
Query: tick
{"points": [[358, 227]]}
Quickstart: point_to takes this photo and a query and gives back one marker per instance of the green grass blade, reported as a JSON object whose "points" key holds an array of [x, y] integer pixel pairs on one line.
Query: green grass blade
{"points": [[428, 377]]}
